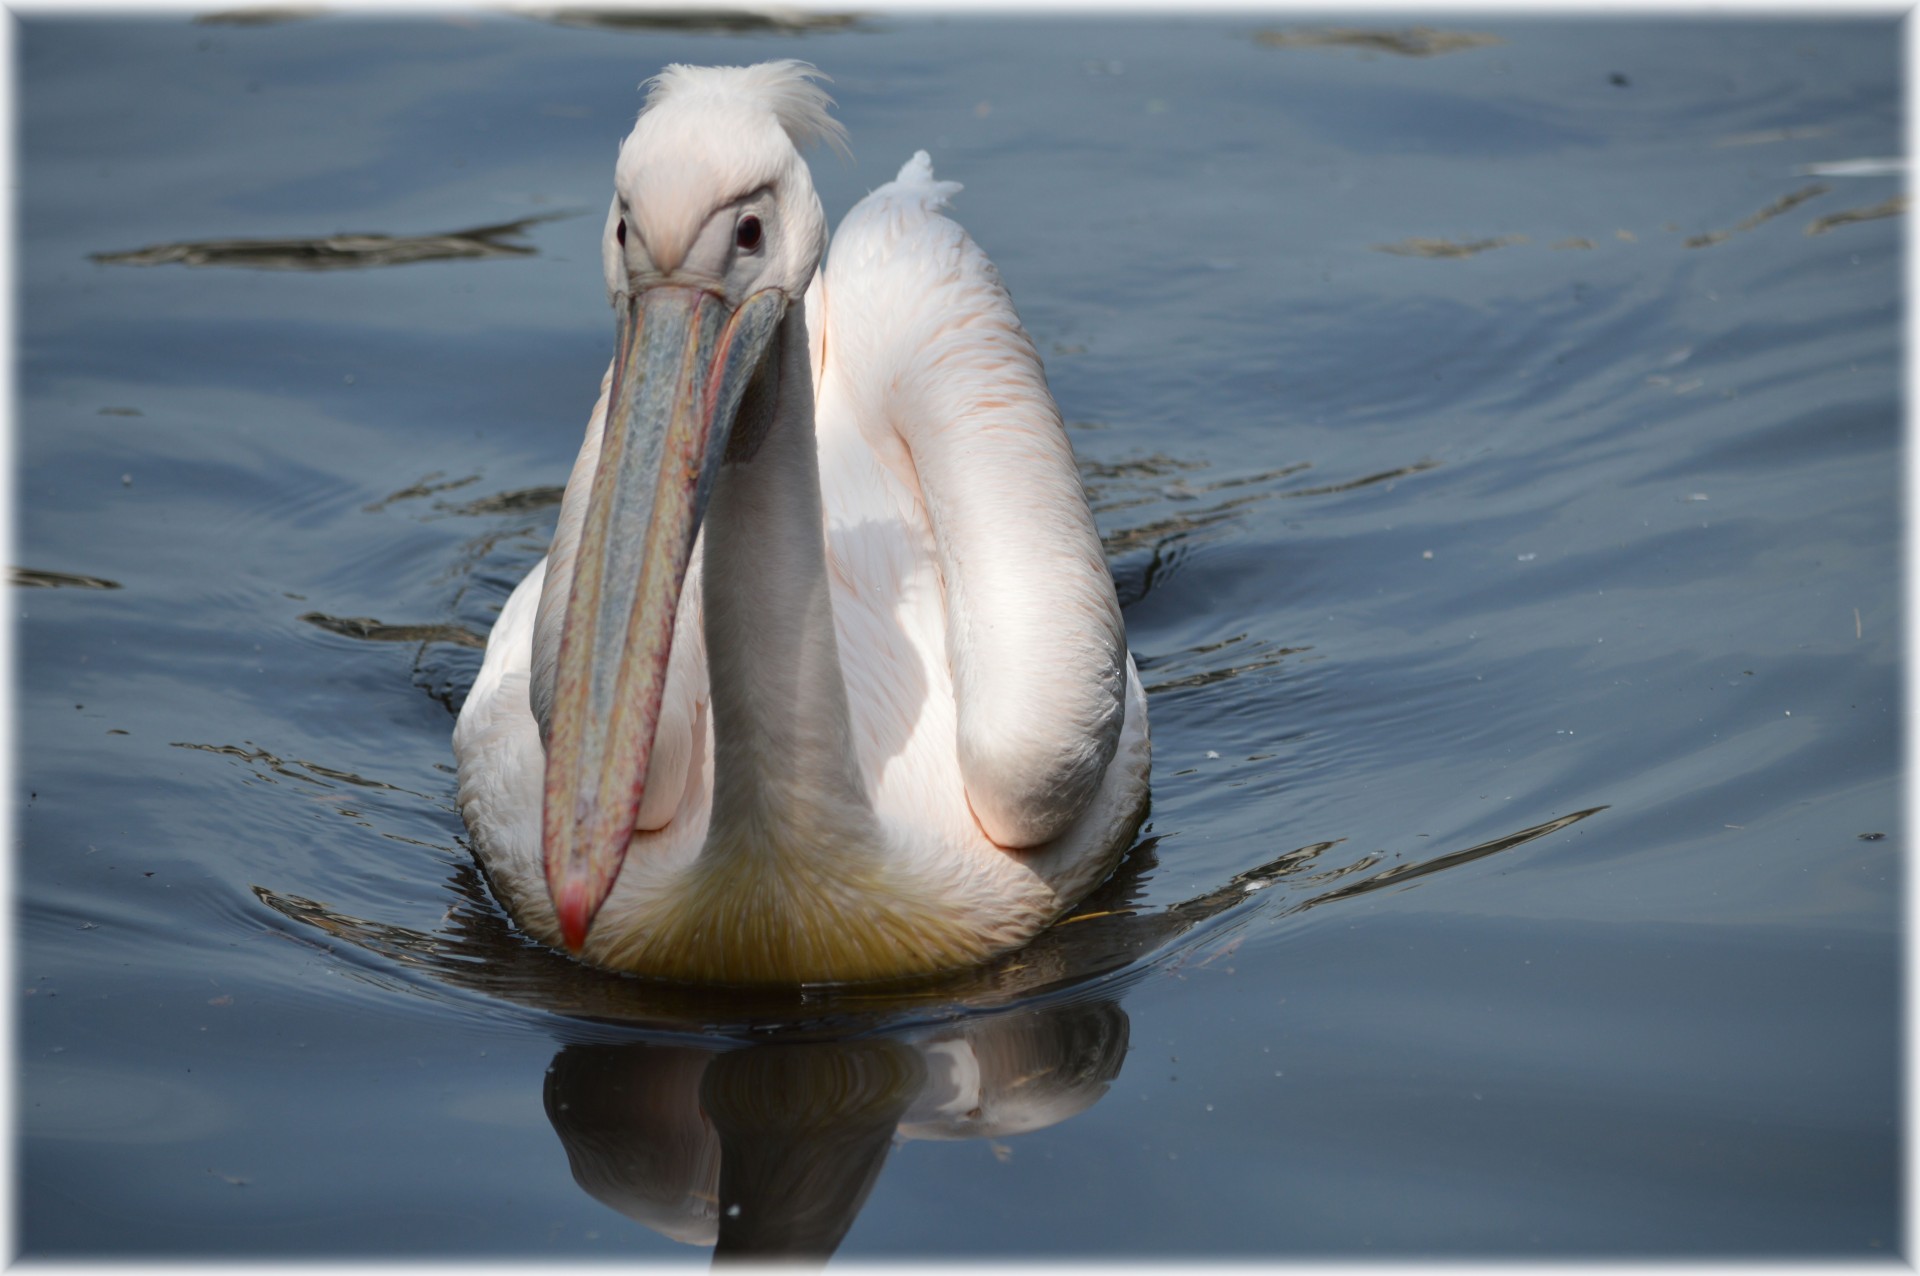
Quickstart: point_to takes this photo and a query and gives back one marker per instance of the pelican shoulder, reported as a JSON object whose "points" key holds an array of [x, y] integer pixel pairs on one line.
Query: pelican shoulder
{"points": [[926, 356]]}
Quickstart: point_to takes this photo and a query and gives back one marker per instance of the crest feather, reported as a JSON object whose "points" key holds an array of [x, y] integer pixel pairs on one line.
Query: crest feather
{"points": [[784, 87]]}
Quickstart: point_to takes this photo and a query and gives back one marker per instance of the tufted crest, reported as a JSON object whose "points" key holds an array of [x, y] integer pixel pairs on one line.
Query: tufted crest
{"points": [[784, 88]]}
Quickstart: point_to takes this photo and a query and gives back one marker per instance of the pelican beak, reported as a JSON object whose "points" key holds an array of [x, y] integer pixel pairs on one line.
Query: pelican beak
{"points": [[683, 361]]}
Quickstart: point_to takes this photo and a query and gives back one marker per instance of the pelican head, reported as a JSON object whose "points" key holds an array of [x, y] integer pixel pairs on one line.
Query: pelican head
{"points": [[713, 232]]}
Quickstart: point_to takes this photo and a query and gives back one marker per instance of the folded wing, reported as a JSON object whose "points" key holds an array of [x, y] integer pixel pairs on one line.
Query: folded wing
{"points": [[1034, 637]]}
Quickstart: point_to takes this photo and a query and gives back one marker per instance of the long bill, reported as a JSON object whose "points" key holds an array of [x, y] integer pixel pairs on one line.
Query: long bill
{"points": [[681, 366]]}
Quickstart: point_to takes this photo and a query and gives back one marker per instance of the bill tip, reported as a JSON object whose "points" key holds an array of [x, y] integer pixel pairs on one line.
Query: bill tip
{"points": [[575, 913]]}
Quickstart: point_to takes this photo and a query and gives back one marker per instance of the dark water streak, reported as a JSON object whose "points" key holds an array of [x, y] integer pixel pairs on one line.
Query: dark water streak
{"points": [[336, 252]]}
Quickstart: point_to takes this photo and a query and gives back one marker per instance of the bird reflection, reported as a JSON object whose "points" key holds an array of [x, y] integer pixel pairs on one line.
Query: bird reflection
{"points": [[757, 1120], [769, 1151]]}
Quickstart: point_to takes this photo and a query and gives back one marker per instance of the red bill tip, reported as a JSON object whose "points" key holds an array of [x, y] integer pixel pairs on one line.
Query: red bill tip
{"points": [[574, 907]]}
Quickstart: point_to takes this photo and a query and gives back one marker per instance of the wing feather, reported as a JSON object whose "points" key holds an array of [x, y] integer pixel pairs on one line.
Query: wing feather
{"points": [[950, 393]]}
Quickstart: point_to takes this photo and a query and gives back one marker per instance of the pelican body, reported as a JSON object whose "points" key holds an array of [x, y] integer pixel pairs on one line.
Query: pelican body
{"points": [[823, 677]]}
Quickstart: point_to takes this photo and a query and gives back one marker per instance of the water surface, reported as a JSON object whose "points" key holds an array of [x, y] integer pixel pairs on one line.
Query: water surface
{"points": [[1494, 430]]}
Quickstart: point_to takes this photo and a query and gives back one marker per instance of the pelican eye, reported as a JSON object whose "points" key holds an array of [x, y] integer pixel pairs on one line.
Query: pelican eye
{"points": [[620, 233], [746, 236]]}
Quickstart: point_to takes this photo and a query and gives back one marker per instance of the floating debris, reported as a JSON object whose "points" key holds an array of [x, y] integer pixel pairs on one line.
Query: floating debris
{"points": [[258, 16], [424, 487], [702, 21], [121, 412], [1408, 42], [337, 252], [371, 630], [1888, 208], [523, 501], [33, 578], [1446, 247], [1777, 207], [1575, 243]]}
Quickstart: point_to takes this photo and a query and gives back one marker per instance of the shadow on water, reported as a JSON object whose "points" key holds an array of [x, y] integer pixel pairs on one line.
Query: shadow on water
{"points": [[757, 1120]]}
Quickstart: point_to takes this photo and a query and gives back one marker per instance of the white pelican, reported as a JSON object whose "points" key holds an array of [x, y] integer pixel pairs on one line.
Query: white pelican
{"points": [[823, 677]]}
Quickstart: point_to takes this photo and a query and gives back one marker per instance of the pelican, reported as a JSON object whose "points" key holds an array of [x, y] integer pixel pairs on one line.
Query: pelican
{"points": [[823, 677]]}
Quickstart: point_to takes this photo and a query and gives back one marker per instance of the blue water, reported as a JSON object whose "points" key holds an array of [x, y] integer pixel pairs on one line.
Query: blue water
{"points": [[1497, 455]]}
